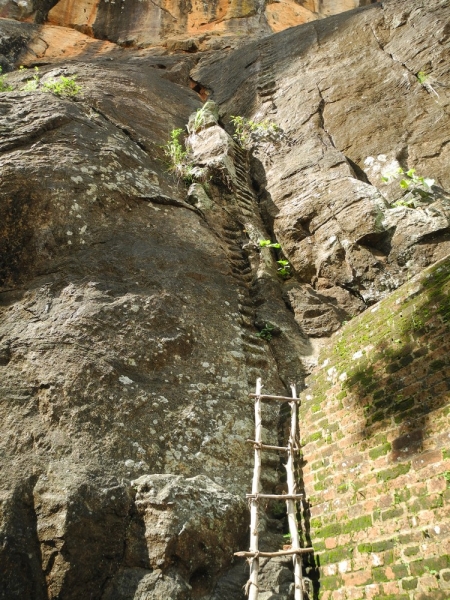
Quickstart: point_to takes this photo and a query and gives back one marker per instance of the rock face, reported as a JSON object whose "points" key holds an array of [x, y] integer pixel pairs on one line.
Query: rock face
{"points": [[194, 24], [135, 309], [322, 188]]}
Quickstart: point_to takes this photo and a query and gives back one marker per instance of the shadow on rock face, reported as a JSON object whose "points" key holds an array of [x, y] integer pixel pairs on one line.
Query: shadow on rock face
{"points": [[167, 537]]}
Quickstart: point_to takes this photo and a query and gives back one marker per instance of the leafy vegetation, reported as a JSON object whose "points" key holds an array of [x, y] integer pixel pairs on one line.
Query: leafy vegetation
{"points": [[285, 268], [423, 79], [266, 332], [417, 189], [64, 87], [175, 153], [248, 132], [4, 86], [268, 244], [32, 84], [179, 161]]}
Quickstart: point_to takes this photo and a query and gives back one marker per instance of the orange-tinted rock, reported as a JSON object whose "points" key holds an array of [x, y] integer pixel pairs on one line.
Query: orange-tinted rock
{"points": [[287, 13], [139, 23], [60, 43]]}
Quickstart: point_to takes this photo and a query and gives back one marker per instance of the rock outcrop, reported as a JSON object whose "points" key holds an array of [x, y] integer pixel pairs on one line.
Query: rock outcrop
{"points": [[322, 188], [137, 311], [181, 25]]}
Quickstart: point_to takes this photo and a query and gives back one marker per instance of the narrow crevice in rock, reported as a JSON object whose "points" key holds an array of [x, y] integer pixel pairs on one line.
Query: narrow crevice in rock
{"points": [[358, 172]]}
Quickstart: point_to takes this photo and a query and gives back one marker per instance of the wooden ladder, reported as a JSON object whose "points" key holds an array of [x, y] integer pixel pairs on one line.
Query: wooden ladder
{"points": [[291, 497]]}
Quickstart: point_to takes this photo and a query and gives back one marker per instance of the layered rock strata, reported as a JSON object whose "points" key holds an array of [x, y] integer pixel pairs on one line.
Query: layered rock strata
{"points": [[182, 25], [132, 305]]}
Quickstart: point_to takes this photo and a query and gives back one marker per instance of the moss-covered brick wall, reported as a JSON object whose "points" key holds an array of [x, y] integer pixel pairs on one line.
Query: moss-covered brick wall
{"points": [[376, 435]]}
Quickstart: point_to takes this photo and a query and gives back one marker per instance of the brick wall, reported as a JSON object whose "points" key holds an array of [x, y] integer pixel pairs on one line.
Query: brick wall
{"points": [[376, 435]]}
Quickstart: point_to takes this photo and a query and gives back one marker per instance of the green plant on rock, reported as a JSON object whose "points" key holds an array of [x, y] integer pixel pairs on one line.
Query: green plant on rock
{"points": [[32, 84], [266, 332], [179, 161], [417, 189], [424, 81], [4, 86], [199, 120], [248, 132], [268, 244], [177, 156], [64, 87], [284, 269], [422, 77]]}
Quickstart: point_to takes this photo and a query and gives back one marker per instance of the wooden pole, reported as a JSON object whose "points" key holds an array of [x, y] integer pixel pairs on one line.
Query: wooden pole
{"points": [[278, 553], [290, 504], [252, 584]]}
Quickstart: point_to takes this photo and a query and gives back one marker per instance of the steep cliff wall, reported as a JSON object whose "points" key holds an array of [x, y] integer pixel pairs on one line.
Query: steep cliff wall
{"points": [[349, 106], [132, 307], [142, 23], [377, 448]]}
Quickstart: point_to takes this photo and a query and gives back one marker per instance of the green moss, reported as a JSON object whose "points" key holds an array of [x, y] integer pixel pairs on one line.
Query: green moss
{"points": [[379, 574], [319, 545], [383, 545], [392, 597], [392, 513], [358, 524], [336, 555], [402, 495], [333, 582], [393, 473], [380, 451], [400, 571], [436, 564], [409, 584], [331, 530], [412, 551]]}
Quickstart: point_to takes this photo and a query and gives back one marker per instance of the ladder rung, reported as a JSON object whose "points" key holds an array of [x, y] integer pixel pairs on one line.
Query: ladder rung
{"points": [[278, 553], [279, 398], [267, 447], [275, 496]]}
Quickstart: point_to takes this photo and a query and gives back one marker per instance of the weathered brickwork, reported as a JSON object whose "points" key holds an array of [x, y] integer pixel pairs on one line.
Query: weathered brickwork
{"points": [[376, 435]]}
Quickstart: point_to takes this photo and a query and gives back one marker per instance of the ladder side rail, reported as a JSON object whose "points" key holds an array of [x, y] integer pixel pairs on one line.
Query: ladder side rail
{"points": [[291, 504], [254, 503]]}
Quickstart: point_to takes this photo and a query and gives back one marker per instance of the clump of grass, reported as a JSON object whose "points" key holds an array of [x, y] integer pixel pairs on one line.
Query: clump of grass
{"points": [[63, 87], [179, 160], [4, 86], [248, 133], [32, 84]]}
